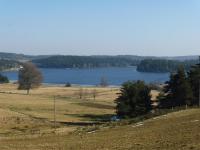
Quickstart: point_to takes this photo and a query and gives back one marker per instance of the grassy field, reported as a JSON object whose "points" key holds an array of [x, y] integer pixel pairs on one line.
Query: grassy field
{"points": [[26, 122], [35, 112]]}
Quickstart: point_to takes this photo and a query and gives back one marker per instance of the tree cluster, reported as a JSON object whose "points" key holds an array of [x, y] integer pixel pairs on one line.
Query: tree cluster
{"points": [[163, 65], [84, 93], [182, 88]]}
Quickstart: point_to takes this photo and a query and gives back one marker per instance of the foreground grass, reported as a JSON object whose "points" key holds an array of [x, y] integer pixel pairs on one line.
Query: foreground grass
{"points": [[26, 123], [178, 130]]}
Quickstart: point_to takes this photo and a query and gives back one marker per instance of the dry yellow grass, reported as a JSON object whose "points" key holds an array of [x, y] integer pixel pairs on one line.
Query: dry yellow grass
{"points": [[26, 123], [179, 130], [21, 113]]}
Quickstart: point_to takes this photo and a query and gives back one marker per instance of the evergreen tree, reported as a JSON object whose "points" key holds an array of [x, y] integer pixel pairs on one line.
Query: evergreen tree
{"points": [[134, 99], [178, 90], [194, 78]]}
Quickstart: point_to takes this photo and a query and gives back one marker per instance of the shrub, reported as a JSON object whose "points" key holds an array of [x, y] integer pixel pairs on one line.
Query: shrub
{"points": [[3, 79], [68, 84]]}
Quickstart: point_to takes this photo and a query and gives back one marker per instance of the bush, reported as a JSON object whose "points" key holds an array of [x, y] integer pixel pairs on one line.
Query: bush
{"points": [[3, 79], [68, 84]]}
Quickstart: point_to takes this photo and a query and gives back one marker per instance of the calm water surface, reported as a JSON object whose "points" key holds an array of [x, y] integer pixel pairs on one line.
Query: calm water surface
{"points": [[114, 76]]}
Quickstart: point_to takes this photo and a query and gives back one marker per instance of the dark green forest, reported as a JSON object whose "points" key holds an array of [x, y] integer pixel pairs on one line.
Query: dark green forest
{"points": [[182, 88], [162, 65], [85, 62], [143, 63]]}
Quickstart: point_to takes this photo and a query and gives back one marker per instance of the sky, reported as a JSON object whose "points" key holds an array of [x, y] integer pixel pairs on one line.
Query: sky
{"points": [[100, 27]]}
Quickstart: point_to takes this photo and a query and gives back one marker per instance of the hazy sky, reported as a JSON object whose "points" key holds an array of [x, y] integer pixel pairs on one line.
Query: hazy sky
{"points": [[87, 27]]}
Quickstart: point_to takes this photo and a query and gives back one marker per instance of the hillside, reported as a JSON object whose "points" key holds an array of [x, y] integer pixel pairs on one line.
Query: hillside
{"points": [[85, 61], [27, 123], [11, 61], [20, 57], [144, 63], [17, 56], [178, 130], [163, 65], [8, 64]]}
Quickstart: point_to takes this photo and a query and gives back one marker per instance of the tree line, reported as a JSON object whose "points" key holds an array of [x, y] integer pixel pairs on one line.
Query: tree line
{"points": [[143, 64], [182, 89], [163, 65], [85, 62]]}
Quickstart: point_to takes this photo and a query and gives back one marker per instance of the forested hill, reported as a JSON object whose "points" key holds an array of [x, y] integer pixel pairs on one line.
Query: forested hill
{"points": [[8, 64], [162, 65], [86, 61], [144, 63], [20, 57]]}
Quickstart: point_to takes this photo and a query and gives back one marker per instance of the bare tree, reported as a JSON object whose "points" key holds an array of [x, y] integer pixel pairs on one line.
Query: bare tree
{"points": [[80, 92], [94, 93], [29, 77], [103, 82], [85, 93]]}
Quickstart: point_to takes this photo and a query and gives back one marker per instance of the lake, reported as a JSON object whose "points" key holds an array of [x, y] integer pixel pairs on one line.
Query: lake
{"points": [[114, 76]]}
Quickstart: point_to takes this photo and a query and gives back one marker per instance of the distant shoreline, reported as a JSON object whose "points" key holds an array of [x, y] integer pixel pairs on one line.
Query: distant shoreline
{"points": [[10, 70], [72, 85]]}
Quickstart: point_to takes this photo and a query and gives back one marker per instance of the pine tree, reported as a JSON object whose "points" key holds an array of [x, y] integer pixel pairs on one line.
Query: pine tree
{"points": [[134, 99], [178, 90], [194, 78]]}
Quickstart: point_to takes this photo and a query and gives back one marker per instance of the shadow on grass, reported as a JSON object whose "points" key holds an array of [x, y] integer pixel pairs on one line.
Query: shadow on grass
{"points": [[80, 123], [101, 118], [95, 105], [93, 117]]}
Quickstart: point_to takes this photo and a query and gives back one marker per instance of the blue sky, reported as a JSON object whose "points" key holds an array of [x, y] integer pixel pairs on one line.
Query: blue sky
{"points": [[98, 27]]}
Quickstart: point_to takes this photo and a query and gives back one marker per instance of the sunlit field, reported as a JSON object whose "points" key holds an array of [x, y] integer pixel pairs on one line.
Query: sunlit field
{"points": [[27, 122], [21, 113]]}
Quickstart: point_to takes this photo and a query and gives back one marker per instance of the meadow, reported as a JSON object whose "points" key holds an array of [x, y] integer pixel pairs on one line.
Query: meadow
{"points": [[27, 122], [20, 111]]}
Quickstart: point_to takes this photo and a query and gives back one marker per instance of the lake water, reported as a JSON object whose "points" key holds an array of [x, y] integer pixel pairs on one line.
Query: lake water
{"points": [[114, 76]]}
